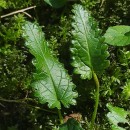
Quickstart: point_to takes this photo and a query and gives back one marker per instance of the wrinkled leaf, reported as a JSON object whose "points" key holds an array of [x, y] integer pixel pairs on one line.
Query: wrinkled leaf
{"points": [[117, 115], [51, 82], [56, 3], [88, 51], [118, 35], [71, 124]]}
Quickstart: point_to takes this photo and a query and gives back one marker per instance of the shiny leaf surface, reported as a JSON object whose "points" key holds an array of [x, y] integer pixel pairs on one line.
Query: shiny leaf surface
{"points": [[88, 51], [51, 82], [118, 35]]}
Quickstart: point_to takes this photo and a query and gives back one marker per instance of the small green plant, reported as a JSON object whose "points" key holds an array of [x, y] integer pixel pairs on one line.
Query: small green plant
{"points": [[51, 83], [89, 54], [15, 28]]}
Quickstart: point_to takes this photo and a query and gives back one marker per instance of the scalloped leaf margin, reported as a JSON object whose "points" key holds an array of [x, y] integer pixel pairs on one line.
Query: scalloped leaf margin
{"points": [[89, 53], [51, 83]]}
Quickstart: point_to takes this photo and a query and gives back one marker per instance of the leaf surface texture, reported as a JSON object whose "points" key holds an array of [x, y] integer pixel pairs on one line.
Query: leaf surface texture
{"points": [[117, 115], [88, 51], [51, 82], [118, 35]]}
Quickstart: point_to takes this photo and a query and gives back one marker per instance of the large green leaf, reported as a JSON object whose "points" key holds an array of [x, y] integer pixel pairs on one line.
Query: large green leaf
{"points": [[118, 35], [117, 115], [56, 3], [89, 52], [51, 83], [71, 124]]}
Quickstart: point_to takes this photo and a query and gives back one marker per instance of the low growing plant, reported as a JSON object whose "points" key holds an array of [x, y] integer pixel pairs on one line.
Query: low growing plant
{"points": [[89, 53], [51, 83]]}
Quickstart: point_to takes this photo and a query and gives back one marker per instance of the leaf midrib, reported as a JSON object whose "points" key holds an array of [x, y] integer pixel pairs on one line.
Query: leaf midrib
{"points": [[85, 30], [45, 61]]}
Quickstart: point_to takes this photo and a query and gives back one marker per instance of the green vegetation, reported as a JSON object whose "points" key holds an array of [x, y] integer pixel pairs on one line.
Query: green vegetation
{"points": [[117, 115], [59, 71]]}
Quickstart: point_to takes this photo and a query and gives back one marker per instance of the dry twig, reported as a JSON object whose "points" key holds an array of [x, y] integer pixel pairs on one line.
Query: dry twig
{"points": [[18, 11]]}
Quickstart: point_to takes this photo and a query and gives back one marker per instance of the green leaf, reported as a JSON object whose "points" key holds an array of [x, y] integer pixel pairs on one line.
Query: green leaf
{"points": [[71, 124], [114, 127], [56, 3], [88, 51], [118, 35], [117, 115], [51, 83]]}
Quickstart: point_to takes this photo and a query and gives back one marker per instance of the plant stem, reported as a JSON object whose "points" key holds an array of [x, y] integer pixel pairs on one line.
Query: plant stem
{"points": [[60, 116], [96, 102]]}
